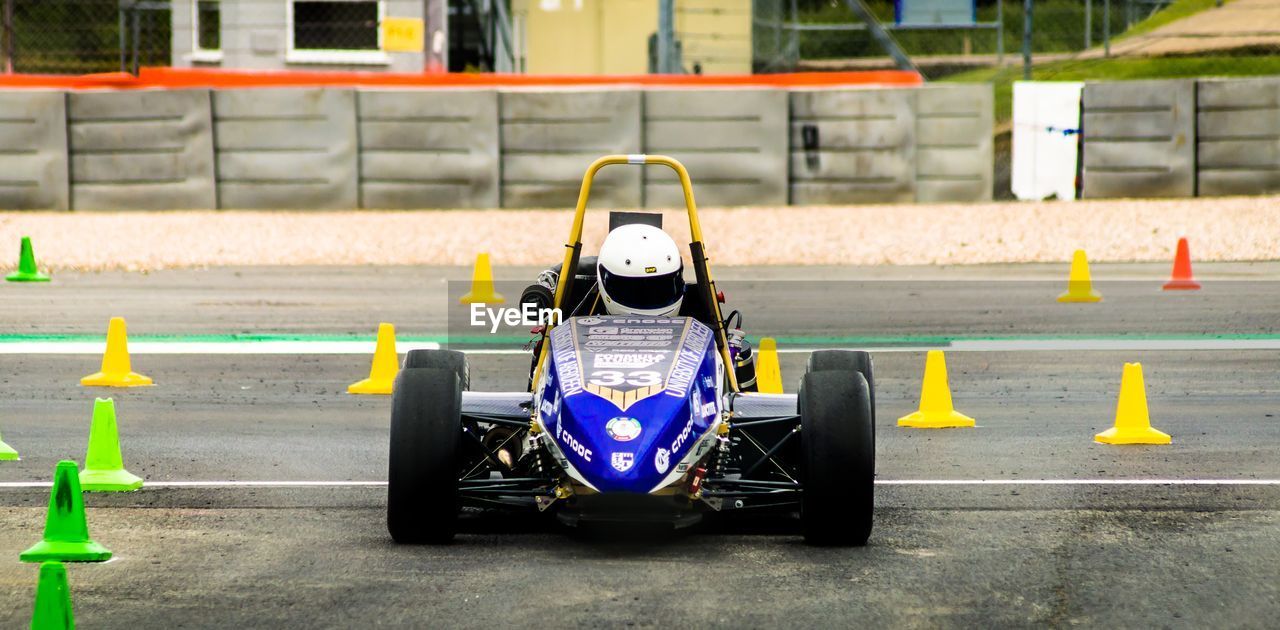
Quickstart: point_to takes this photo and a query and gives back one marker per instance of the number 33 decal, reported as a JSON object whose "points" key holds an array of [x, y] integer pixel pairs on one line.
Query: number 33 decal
{"points": [[614, 378]]}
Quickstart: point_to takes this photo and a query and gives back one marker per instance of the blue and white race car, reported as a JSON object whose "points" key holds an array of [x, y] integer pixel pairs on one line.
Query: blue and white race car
{"points": [[633, 419]]}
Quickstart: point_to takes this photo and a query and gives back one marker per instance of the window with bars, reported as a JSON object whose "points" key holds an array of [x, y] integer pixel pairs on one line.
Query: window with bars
{"points": [[335, 25], [207, 28]]}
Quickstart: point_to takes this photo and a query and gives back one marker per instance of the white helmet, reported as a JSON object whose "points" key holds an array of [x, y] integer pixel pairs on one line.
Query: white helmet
{"points": [[639, 272]]}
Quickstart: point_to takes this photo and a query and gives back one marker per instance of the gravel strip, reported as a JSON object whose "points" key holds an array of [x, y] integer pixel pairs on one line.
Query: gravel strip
{"points": [[1220, 229]]}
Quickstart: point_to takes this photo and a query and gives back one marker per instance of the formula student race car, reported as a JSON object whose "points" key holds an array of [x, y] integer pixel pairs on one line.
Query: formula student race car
{"points": [[633, 419]]}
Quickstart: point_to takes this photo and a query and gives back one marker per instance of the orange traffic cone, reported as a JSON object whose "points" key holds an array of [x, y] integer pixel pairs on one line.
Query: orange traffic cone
{"points": [[1182, 279]]}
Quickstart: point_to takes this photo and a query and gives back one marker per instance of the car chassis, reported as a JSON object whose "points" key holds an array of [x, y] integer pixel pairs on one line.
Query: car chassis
{"points": [[811, 454]]}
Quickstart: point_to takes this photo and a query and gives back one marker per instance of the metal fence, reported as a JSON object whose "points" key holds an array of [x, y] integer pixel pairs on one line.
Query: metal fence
{"points": [[819, 34], [830, 35], [86, 36], [82, 36]]}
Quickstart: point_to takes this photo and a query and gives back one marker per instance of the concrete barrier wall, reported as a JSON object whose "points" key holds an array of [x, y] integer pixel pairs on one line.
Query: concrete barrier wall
{"points": [[141, 150], [954, 154], [312, 148], [864, 151], [733, 142], [1238, 137], [1139, 138], [33, 151], [549, 138], [287, 148], [428, 149]]}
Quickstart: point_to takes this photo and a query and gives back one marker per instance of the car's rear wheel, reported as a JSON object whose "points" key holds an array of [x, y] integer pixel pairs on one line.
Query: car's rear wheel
{"points": [[441, 360], [838, 442], [426, 437], [846, 361]]}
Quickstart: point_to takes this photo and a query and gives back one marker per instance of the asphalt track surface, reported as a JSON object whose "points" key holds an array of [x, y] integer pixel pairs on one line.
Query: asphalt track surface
{"points": [[1083, 550]]}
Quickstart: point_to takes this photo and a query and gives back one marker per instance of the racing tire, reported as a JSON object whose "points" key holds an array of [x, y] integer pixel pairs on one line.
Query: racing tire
{"points": [[838, 462], [846, 361], [426, 437], [441, 360]]}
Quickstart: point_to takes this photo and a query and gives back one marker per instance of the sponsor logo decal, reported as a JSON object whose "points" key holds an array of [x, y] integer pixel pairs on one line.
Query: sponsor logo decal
{"points": [[622, 462], [688, 360], [627, 343], [566, 361], [683, 437], [651, 270], [662, 460], [627, 360], [702, 448], [573, 444], [709, 409], [588, 321], [550, 410], [623, 429]]}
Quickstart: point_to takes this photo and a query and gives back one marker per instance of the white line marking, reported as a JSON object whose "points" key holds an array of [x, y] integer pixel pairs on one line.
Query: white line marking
{"points": [[209, 347], [1078, 482], [222, 484], [1072, 345], [879, 482], [1023, 345], [366, 347]]}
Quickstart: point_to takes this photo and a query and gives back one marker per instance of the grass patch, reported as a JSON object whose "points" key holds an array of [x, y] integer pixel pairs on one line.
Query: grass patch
{"points": [[1118, 69], [1172, 13], [1059, 28], [1242, 64]]}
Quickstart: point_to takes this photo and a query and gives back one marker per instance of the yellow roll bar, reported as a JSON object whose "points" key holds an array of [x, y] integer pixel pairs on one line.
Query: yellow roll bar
{"points": [[698, 251]]}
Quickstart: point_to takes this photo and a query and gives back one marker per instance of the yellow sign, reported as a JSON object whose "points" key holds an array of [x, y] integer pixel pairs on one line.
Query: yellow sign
{"points": [[402, 34]]}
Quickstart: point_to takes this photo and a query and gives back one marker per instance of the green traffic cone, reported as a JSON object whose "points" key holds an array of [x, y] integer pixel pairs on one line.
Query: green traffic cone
{"points": [[103, 466], [53, 599], [27, 271], [66, 534], [7, 453]]}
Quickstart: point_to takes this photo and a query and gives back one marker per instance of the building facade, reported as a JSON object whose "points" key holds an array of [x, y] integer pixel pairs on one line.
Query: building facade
{"points": [[612, 36], [290, 34], [565, 37]]}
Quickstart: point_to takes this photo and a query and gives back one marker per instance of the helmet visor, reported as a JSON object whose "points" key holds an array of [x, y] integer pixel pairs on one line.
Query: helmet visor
{"points": [[644, 292]]}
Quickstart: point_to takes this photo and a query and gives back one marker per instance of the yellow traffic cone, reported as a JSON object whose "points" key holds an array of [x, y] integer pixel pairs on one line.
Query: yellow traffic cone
{"points": [[482, 291], [1133, 422], [1080, 283], [386, 365], [768, 371], [936, 410], [117, 371]]}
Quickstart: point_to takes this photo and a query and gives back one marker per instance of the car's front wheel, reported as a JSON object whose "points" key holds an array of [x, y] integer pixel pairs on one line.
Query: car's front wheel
{"points": [[426, 435], [837, 438], [848, 361]]}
